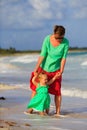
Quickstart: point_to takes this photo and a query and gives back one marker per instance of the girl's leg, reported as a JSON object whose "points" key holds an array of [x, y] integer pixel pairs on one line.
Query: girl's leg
{"points": [[58, 104], [30, 110], [33, 94], [41, 113], [47, 111]]}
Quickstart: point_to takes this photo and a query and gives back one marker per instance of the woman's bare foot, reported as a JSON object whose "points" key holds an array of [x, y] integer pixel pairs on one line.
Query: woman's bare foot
{"points": [[56, 114]]}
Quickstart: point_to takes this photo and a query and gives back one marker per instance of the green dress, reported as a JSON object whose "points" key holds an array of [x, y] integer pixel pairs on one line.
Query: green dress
{"points": [[41, 101]]}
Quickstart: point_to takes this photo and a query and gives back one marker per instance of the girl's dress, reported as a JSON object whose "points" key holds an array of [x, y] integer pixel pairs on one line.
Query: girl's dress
{"points": [[41, 101]]}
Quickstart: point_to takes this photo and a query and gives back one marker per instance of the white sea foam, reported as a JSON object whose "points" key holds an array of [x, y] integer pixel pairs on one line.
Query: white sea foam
{"points": [[52, 128], [66, 92], [6, 67], [25, 59], [84, 63], [74, 93], [74, 64]]}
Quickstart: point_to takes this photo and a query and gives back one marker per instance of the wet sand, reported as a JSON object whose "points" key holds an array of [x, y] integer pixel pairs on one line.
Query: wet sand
{"points": [[10, 105], [7, 87], [12, 115]]}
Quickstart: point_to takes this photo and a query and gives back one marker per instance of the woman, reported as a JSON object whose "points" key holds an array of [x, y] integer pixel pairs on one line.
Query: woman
{"points": [[52, 61]]}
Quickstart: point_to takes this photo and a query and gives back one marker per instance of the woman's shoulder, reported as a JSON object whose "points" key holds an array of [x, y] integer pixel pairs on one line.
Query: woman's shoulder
{"points": [[46, 41], [66, 41], [47, 37]]}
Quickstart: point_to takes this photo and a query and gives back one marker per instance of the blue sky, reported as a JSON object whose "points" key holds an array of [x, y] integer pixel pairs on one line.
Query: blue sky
{"points": [[25, 23]]}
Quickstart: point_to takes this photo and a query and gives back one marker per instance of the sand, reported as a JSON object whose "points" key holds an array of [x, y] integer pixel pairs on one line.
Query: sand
{"points": [[6, 110], [12, 115], [7, 87]]}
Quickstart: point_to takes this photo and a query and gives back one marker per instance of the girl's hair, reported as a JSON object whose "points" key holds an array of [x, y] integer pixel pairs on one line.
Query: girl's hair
{"points": [[58, 29], [41, 74]]}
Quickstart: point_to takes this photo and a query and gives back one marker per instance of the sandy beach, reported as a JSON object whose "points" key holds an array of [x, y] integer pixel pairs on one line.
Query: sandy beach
{"points": [[13, 118], [15, 94], [9, 107]]}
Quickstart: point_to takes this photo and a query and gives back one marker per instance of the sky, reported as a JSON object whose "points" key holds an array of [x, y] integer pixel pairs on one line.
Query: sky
{"points": [[25, 23]]}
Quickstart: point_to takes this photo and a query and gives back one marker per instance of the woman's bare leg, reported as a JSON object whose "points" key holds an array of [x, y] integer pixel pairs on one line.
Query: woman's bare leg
{"points": [[58, 104]]}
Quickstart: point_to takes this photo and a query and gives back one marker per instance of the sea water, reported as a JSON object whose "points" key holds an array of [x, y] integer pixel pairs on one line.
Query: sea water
{"points": [[16, 70]]}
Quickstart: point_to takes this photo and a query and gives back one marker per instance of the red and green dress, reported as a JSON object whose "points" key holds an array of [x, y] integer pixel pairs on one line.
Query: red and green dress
{"points": [[52, 62]]}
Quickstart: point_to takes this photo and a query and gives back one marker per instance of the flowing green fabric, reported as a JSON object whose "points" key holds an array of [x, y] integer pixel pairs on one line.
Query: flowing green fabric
{"points": [[41, 101]]}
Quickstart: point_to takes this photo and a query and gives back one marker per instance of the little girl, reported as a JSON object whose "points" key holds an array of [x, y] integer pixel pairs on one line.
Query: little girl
{"points": [[41, 101]]}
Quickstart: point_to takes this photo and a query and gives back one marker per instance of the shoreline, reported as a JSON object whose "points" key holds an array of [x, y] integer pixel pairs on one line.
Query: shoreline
{"points": [[11, 100], [13, 117], [74, 108], [37, 52], [7, 87]]}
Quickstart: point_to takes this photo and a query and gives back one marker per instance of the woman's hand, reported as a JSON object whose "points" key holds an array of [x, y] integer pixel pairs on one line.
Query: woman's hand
{"points": [[40, 59], [58, 74]]}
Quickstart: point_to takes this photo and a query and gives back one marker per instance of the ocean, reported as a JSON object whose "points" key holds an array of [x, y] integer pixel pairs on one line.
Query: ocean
{"points": [[16, 70]]}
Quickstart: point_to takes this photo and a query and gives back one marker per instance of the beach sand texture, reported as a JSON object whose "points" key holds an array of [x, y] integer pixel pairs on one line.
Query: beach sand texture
{"points": [[15, 94], [13, 117]]}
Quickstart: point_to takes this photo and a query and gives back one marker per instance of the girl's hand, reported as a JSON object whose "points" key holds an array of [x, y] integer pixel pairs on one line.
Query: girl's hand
{"points": [[35, 74], [58, 75]]}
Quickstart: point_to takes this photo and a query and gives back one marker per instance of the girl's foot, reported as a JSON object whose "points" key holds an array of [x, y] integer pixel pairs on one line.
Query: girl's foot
{"points": [[46, 114], [27, 113], [47, 111], [42, 113]]}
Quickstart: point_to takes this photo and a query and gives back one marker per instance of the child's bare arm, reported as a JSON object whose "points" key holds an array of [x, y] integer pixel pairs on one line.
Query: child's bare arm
{"points": [[53, 79], [34, 80]]}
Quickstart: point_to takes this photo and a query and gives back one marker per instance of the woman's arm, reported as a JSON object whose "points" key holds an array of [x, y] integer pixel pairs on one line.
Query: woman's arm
{"points": [[40, 59], [63, 61], [43, 53]]}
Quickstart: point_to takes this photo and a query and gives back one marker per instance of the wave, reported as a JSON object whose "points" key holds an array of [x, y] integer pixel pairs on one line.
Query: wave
{"points": [[84, 63], [74, 93], [25, 59], [65, 92], [8, 68]]}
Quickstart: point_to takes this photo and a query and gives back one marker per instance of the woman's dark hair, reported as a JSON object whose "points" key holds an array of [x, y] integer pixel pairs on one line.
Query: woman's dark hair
{"points": [[59, 30]]}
